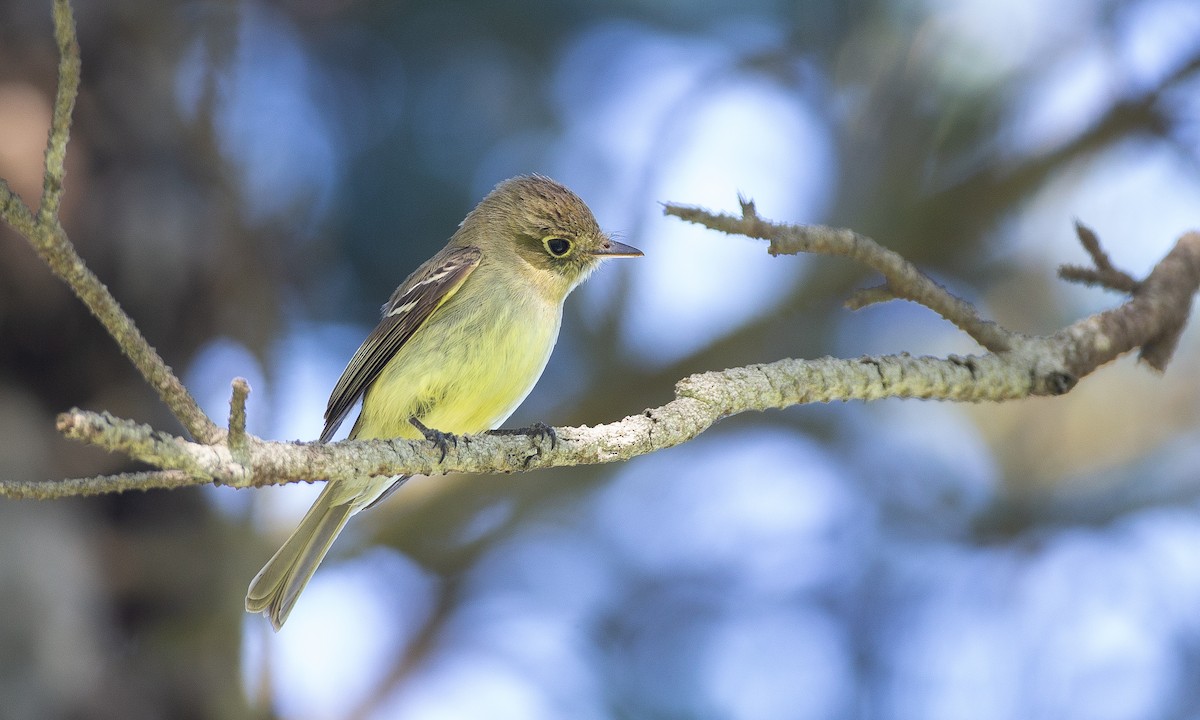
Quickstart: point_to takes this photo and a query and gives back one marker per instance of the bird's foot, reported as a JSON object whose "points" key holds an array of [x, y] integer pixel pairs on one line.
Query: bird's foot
{"points": [[437, 437]]}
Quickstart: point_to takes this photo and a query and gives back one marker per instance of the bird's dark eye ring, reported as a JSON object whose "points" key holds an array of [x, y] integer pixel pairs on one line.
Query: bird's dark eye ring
{"points": [[557, 246]]}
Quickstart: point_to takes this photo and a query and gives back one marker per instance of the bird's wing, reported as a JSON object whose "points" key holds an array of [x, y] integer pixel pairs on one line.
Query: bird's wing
{"points": [[410, 306]]}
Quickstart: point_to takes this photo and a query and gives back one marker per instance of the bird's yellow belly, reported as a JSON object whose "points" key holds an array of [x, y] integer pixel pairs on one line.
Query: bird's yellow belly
{"points": [[466, 380]]}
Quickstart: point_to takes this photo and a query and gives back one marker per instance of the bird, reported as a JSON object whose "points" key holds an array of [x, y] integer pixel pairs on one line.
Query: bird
{"points": [[460, 344]]}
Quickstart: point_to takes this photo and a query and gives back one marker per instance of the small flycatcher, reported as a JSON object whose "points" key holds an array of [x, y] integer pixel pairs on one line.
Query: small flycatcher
{"points": [[461, 343]]}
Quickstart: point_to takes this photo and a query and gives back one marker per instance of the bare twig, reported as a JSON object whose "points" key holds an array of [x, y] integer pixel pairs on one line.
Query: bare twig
{"points": [[237, 415], [15, 212], [903, 278], [60, 123], [1151, 320], [80, 487], [1104, 273], [864, 297], [49, 240]]}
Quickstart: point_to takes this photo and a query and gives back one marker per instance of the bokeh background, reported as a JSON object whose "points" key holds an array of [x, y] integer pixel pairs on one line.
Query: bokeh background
{"points": [[252, 180]]}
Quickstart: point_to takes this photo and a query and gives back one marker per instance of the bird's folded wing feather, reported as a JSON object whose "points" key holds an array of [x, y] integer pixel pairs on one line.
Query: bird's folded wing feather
{"points": [[410, 306]]}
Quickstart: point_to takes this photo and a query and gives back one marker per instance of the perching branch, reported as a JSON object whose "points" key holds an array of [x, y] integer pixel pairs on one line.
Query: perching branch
{"points": [[1014, 366], [1046, 365], [700, 401]]}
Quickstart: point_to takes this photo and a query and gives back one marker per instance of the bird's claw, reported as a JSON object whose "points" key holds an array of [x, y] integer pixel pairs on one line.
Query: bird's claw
{"points": [[437, 437]]}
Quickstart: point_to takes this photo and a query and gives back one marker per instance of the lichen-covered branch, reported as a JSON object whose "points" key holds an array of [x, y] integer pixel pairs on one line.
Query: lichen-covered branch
{"points": [[700, 401], [902, 278], [1048, 365], [1151, 321], [60, 122], [45, 233], [100, 485], [237, 438], [1045, 365]]}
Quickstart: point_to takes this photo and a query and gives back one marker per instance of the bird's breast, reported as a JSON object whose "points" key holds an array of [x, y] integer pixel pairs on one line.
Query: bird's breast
{"points": [[467, 369]]}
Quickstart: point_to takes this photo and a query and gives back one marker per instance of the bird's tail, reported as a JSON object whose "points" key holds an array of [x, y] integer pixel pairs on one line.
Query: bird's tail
{"points": [[275, 589]]}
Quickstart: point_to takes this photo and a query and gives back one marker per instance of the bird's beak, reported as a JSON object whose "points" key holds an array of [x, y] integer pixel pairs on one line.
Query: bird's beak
{"points": [[612, 248]]}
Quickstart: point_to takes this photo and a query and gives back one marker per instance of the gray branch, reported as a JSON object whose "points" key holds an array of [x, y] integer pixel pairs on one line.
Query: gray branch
{"points": [[45, 233]]}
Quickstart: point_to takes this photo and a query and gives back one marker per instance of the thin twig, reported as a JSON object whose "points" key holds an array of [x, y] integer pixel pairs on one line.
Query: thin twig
{"points": [[1104, 273], [81, 487], [15, 212], [902, 277], [45, 233], [237, 415], [64, 104], [864, 297]]}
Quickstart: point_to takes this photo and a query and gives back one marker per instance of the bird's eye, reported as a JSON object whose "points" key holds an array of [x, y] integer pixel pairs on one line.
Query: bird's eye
{"points": [[556, 246]]}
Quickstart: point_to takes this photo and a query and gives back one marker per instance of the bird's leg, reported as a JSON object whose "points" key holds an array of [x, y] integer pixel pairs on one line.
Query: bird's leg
{"points": [[539, 430], [437, 437]]}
